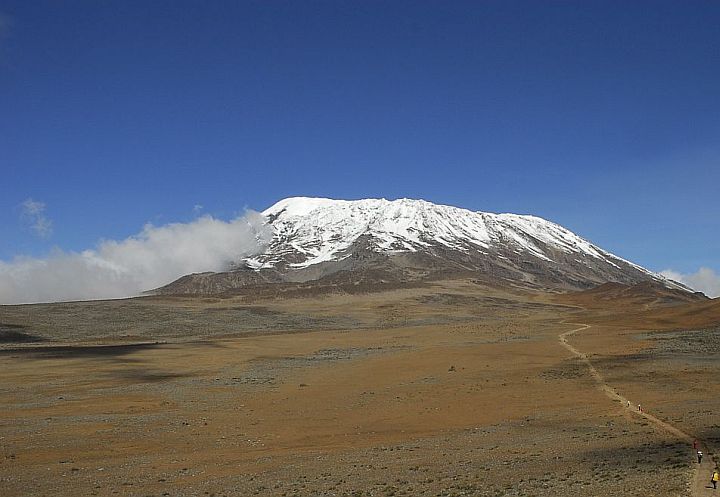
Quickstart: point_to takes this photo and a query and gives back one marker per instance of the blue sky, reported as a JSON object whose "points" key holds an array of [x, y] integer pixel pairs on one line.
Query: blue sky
{"points": [[601, 116]]}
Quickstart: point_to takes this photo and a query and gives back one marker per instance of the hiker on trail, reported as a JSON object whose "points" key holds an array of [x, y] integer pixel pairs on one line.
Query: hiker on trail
{"points": [[639, 408], [714, 478], [699, 454]]}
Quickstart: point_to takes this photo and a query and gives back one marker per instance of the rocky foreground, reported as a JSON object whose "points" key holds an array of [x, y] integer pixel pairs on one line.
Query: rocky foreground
{"points": [[446, 389]]}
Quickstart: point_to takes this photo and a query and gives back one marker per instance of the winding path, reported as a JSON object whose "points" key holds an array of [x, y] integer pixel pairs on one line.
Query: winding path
{"points": [[700, 485]]}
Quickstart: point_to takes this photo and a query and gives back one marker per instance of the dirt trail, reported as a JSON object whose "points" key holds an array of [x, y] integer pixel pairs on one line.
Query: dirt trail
{"points": [[700, 485]]}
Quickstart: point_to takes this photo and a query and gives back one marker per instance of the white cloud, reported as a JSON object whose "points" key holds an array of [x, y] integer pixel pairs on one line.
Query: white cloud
{"points": [[33, 213], [704, 280], [152, 258]]}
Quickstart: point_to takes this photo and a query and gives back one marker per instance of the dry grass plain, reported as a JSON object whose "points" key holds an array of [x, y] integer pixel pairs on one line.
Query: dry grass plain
{"points": [[446, 390]]}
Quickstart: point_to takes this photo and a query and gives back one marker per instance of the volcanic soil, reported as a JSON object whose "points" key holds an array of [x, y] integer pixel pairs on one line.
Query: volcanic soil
{"points": [[446, 389]]}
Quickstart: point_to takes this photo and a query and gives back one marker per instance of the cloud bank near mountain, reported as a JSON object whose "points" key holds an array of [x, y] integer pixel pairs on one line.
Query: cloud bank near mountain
{"points": [[703, 280], [125, 268]]}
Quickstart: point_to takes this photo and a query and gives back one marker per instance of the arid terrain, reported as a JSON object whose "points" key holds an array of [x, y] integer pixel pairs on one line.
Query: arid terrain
{"points": [[448, 388]]}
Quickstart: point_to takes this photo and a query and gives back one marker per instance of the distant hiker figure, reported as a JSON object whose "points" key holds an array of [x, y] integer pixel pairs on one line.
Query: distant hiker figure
{"points": [[695, 444], [699, 454], [714, 479], [639, 408]]}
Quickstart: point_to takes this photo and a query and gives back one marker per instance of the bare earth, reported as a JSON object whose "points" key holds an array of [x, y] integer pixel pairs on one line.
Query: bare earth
{"points": [[446, 390]]}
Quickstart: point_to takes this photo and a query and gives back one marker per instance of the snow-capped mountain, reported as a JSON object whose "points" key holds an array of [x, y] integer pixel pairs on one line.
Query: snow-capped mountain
{"points": [[377, 240], [315, 230]]}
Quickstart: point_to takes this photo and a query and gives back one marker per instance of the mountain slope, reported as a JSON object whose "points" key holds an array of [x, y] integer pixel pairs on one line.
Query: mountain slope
{"points": [[340, 242]]}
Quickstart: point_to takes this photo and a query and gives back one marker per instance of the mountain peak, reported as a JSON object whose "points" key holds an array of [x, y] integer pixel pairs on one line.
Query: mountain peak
{"points": [[301, 206], [320, 228], [404, 240]]}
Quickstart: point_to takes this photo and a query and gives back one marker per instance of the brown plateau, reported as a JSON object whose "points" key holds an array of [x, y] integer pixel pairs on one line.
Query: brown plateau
{"points": [[443, 388]]}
